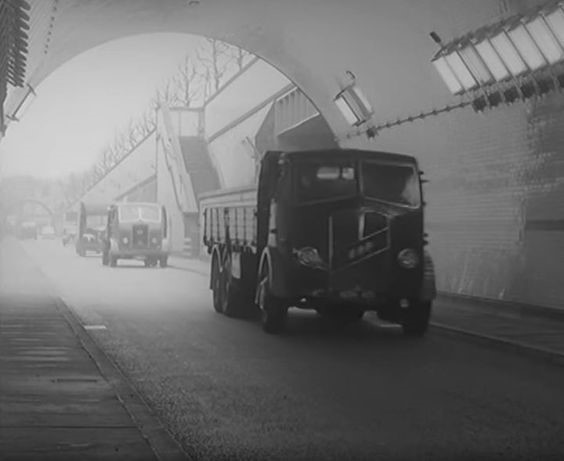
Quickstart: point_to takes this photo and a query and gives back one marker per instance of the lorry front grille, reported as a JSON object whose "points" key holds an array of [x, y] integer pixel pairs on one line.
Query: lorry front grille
{"points": [[357, 235], [140, 237]]}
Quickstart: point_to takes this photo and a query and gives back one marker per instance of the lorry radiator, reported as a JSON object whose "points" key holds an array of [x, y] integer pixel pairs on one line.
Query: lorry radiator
{"points": [[140, 238], [356, 235]]}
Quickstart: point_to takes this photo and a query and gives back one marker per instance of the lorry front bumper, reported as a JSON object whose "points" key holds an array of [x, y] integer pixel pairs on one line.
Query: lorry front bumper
{"points": [[365, 285], [133, 253]]}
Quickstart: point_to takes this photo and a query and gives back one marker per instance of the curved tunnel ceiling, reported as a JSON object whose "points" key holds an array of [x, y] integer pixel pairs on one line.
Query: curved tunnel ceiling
{"points": [[314, 42]]}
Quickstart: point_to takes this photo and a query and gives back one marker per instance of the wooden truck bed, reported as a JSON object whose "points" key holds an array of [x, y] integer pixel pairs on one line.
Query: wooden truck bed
{"points": [[229, 213]]}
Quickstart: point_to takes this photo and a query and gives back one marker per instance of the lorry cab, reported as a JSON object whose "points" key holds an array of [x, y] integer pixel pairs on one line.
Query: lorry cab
{"points": [[136, 231], [342, 232], [339, 231]]}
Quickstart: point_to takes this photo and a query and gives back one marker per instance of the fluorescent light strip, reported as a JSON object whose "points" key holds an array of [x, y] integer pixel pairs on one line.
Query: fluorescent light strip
{"points": [[476, 64], [461, 71], [545, 40], [507, 52], [346, 110], [447, 75], [556, 22], [527, 47], [492, 60]]}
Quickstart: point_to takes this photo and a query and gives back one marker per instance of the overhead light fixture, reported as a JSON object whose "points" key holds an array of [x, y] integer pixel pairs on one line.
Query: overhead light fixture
{"points": [[516, 58], [353, 104], [527, 47], [24, 104]]}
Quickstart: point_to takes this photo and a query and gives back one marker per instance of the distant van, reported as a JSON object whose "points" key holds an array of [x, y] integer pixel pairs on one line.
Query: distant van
{"points": [[136, 231]]}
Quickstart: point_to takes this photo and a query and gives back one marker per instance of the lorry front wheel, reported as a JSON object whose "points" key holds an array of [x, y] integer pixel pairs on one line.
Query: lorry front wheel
{"points": [[273, 309], [163, 261], [415, 319], [105, 258]]}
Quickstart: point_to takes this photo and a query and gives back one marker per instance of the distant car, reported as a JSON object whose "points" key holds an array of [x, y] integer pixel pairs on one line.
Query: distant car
{"points": [[48, 232]]}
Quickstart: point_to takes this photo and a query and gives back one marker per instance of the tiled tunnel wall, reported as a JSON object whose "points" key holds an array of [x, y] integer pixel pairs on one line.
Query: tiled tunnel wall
{"points": [[495, 209]]}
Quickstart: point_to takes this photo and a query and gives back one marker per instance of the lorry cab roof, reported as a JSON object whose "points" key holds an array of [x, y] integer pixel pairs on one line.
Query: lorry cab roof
{"points": [[136, 204], [319, 154]]}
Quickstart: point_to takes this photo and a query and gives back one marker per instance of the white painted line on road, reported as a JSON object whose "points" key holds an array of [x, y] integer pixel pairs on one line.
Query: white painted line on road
{"points": [[94, 327]]}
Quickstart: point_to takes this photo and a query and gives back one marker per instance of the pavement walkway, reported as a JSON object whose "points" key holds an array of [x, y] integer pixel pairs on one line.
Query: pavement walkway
{"points": [[60, 396]]}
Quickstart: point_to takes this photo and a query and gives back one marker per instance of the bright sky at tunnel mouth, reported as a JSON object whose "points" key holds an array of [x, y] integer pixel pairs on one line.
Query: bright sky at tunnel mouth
{"points": [[83, 104]]}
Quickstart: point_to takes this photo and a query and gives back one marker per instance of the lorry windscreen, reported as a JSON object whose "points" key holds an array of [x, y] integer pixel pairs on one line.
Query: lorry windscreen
{"points": [[128, 213], [326, 181], [95, 220], [391, 183]]}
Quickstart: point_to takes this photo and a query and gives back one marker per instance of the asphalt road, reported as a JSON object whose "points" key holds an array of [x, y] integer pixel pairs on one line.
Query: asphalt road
{"points": [[226, 390]]}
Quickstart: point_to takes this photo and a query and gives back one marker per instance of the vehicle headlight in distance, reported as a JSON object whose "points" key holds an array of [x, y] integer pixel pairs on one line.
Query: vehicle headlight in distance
{"points": [[154, 240], [408, 258], [125, 240]]}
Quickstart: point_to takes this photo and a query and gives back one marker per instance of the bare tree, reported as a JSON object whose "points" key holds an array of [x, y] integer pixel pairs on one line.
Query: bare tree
{"points": [[196, 80], [186, 82], [215, 57]]}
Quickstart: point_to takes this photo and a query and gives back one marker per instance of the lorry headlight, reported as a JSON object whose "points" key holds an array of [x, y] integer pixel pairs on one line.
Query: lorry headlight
{"points": [[309, 257], [408, 258], [154, 240], [125, 240]]}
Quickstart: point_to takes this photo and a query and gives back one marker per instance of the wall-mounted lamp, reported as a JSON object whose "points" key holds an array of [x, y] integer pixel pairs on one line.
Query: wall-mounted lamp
{"points": [[353, 104], [22, 107]]}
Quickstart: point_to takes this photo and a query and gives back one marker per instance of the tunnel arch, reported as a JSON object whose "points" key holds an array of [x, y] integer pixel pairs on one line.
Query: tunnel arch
{"points": [[313, 44]]}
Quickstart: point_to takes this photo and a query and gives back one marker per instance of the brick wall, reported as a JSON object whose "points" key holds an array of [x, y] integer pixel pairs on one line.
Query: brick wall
{"points": [[495, 209]]}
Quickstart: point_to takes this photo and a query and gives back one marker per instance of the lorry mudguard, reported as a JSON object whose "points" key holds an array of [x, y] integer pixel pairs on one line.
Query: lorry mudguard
{"points": [[277, 270]]}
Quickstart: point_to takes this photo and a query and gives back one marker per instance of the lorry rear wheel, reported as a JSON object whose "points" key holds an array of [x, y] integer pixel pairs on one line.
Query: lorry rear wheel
{"points": [[163, 261], [105, 258], [113, 261], [216, 285], [273, 310], [415, 319]]}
